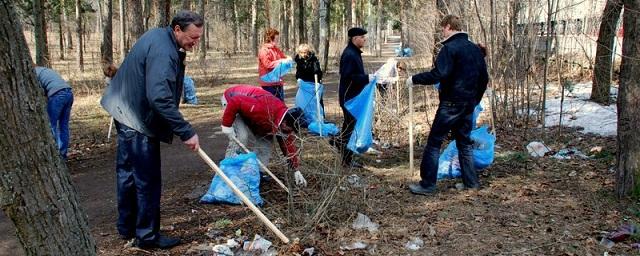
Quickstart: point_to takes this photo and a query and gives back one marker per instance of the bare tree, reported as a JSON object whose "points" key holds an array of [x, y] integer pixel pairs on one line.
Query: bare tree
{"points": [[59, 11], [123, 32], [236, 28], [203, 41], [285, 23], [186, 5], [40, 27], [325, 26], [146, 14], [254, 27], [65, 17], [162, 13], [106, 47], [35, 185], [267, 13], [628, 156], [134, 21], [603, 61], [302, 38], [315, 25], [79, 33]]}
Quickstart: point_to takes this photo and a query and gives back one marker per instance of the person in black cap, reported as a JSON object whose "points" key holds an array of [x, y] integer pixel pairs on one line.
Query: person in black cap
{"points": [[352, 80]]}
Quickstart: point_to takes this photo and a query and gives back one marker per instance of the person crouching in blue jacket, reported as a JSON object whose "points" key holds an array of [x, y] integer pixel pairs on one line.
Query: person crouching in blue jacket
{"points": [[462, 72]]}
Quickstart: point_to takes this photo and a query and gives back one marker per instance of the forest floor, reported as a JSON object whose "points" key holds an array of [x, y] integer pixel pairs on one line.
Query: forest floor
{"points": [[527, 206]]}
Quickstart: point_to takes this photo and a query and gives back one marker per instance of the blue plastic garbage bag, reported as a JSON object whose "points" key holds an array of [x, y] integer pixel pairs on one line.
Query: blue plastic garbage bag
{"points": [[306, 100], [483, 152], [244, 172], [278, 72], [407, 52], [361, 107], [189, 93], [327, 129], [476, 113]]}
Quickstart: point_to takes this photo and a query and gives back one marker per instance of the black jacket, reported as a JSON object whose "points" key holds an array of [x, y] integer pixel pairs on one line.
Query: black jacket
{"points": [[461, 70], [306, 68], [145, 92], [352, 76]]}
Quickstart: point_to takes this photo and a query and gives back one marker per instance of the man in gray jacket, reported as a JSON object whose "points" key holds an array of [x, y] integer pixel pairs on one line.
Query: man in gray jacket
{"points": [[143, 98]]}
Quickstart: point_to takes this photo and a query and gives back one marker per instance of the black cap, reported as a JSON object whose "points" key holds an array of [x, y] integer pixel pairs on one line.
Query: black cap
{"points": [[356, 32]]}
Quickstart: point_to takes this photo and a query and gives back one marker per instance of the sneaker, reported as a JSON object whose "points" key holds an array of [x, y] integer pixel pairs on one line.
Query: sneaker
{"points": [[420, 190], [163, 242]]}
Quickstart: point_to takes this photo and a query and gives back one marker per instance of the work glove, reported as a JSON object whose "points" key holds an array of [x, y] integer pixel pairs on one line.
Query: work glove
{"points": [[228, 131], [409, 82], [372, 77], [300, 181]]}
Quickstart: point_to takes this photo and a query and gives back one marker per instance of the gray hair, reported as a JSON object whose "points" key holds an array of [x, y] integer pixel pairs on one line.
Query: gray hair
{"points": [[184, 18]]}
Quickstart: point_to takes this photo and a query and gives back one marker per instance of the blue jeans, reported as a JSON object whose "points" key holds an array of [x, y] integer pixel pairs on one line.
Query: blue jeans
{"points": [[276, 90], [139, 184], [59, 111], [457, 118]]}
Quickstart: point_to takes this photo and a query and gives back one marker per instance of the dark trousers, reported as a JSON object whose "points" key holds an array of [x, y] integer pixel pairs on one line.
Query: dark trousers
{"points": [[348, 125], [457, 118], [59, 111], [276, 90], [139, 184]]}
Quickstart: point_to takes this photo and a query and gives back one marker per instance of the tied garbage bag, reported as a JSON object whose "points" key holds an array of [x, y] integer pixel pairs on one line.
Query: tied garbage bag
{"points": [[189, 93], [327, 129], [278, 72], [306, 100], [244, 172], [403, 52], [483, 151], [361, 107], [476, 113]]}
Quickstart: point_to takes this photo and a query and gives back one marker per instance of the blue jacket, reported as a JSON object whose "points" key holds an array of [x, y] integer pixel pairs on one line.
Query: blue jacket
{"points": [[352, 76], [145, 92], [50, 80], [461, 70]]}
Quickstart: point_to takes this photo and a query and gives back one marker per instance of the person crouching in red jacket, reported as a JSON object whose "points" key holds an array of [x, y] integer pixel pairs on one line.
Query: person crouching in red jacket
{"points": [[254, 116]]}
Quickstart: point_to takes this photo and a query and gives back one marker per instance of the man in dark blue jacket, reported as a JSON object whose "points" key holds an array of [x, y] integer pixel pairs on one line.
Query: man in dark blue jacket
{"points": [[143, 98], [352, 80], [462, 72]]}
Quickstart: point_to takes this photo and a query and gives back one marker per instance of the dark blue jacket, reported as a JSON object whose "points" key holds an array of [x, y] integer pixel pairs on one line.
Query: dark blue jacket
{"points": [[145, 92], [461, 70], [352, 76]]}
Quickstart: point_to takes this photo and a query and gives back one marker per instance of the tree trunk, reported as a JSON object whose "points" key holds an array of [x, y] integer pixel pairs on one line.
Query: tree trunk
{"points": [[379, 28], [65, 16], [40, 32], [302, 38], [106, 47], [162, 13], [354, 13], [285, 24], [236, 28], [267, 13], [134, 21], [603, 62], [146, 14], [99, 18], [254, 27], [123, 32], [203, 40], [61, 30], [35, 186], [79, 33], [324, 27], [628, 156], [186, 5], [403, 26], [347, 13], [315, 24], [294, 21]]}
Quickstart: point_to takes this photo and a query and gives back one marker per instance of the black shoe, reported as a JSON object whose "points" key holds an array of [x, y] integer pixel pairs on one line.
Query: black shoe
{"points": [[127, 236], [420, 190], [353, 164], [163, 242]]}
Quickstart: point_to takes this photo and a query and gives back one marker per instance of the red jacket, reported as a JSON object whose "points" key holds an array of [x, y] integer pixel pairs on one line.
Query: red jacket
{"points": [[263, 113], [268, 58]]}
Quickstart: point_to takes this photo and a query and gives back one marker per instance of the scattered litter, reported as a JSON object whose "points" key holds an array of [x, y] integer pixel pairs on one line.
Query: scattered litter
{"points": [[414, 244], [625, 231], [373, 151], [308, 251], [537, 149], [129, 244], [222, 250], [378, 161], [568, 153], [239, 232], [358, 245], [167, 228], [596, 149], [232, 243], [607, 243], [197, 249], [459, 186], [386, 145], [355, 181], [573, 174], [258, 244], [364, 222]]}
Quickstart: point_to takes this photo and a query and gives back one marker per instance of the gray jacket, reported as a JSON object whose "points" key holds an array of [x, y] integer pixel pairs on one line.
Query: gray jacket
{"points": [[50, 80], [145, 92]]}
